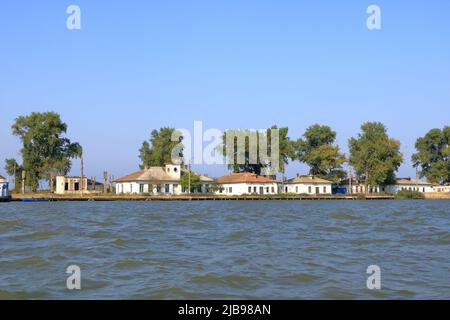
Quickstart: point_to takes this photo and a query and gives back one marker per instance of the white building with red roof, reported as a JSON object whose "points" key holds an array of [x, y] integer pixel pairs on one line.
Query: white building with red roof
{"points": [[236, 184]]}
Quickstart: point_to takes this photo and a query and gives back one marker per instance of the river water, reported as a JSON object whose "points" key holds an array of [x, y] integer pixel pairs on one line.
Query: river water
{"points": [[225, 249]]}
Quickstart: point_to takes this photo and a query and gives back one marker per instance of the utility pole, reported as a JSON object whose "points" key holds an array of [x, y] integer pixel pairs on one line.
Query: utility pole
{"points": [[82, 175], [189, 172], [350, 177], [105, 181], [14, 178], [417, 178], [111, 179], [24, 174]]}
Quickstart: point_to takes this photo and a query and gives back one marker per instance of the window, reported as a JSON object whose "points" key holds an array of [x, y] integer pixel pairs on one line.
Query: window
{"points": [[309, 189], [317, 190], [141, 188], [131, 187], [167, 188], [296, 189], [230, 190], [273, 189], [261, 190], [324, 189], [254, 189], [267, 189], [249, 189]]}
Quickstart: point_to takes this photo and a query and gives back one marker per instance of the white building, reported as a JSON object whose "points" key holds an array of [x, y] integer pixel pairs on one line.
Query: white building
{"points": [[355, 186], [410, 185], [158, 180], [441, 188], [71, 185], [236, 184], [4, 189], [308, 185]]}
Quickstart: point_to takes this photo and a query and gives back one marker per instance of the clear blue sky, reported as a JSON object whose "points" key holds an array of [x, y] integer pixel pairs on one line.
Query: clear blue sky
{"points": [[139, 65]]}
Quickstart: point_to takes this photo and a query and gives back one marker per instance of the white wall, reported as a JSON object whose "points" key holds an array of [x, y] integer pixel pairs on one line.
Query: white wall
{"points": [[135, 188], [304, 188], [237, 189], [360, 188], [4, 191], [413, 187], [441, 188]]}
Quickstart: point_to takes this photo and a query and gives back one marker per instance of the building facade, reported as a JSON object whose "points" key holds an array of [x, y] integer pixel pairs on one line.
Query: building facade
{"points": [[410, 185], [4, 189], [236, 184], [158, 181], [441, 188], [308, 185], [74, 185], [354, 186]]}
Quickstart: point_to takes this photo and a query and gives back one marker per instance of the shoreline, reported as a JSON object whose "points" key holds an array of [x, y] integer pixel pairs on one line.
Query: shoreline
{"points": [[112, 197]]}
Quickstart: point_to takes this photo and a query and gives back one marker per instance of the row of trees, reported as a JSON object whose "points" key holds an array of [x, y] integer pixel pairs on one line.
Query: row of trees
{"points": [[373, 154]]}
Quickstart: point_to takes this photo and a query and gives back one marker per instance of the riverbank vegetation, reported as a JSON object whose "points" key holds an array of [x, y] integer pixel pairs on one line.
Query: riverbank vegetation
{"points": [[409, 194]]}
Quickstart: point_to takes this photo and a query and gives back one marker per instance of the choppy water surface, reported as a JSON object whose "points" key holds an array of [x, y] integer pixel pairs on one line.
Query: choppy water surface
{"points": [[225, 250]]}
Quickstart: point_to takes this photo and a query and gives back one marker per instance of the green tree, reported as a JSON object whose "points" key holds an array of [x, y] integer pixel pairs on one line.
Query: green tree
{"points": [[262, 142], [433, 155], [195, 183], [318, 150], [45, 151], [374, 155], [158, 150], [13, 169]]}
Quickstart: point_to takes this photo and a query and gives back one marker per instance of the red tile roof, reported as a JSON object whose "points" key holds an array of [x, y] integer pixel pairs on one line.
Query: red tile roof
{"points": [[244, 177]]}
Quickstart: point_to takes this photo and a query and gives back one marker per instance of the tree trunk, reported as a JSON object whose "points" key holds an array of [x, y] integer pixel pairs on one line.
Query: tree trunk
{"points": [[366, 184], [51, 183]]}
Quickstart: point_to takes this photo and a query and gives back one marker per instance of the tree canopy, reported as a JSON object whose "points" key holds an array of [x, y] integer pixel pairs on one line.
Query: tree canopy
{"points": [[433, 155], [374, 155], [45, 149], [196, 184], [158, 150], [318, 150], [253, 151], [12, 168]]}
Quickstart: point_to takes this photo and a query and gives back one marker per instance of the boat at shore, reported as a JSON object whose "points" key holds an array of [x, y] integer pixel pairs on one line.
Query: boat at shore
{"points": [[34, 200]]}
